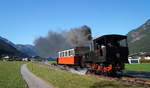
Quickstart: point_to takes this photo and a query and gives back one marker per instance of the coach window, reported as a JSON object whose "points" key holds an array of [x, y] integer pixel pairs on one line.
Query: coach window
{"points": [[69, 53], [61, 54], [72, 52], [65, 53]]}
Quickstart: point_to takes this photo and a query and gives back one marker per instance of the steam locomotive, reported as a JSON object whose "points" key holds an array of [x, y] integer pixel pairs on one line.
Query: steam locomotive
{"points": [[106, 55]]}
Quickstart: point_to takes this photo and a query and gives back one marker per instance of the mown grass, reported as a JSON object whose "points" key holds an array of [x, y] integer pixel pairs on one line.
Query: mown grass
{"points": [[10, 76], [64, 79], [145, 67], [52, 62]]}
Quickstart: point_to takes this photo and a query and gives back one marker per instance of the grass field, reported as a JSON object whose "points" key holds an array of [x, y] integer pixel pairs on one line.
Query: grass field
{"points": [[138, 67], [10, 76], [63, 79], [51, 62]]}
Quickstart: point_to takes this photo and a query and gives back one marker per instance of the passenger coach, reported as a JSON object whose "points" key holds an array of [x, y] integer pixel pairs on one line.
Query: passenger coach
{"points": [[72, 56]]}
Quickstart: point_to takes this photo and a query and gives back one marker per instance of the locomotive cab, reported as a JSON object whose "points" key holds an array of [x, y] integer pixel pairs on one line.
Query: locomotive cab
{"points": [[110, 48]]}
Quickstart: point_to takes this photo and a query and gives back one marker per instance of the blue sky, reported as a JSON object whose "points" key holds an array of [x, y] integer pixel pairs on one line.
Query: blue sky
{"points": [[21, 21]]}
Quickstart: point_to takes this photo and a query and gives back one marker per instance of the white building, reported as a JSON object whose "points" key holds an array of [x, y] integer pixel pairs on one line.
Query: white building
{"points": [[25, 59], [134, 60]]}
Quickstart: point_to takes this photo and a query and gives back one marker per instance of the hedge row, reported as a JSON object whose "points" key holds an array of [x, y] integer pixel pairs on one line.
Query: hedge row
{"points": [[144, 61]]}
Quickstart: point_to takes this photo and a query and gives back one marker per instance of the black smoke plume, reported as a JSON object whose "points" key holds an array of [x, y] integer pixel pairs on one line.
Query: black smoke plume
{"points": [[56, 41]]}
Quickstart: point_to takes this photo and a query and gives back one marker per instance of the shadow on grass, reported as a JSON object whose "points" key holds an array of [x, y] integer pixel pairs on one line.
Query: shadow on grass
{"points": [[108, 84]]}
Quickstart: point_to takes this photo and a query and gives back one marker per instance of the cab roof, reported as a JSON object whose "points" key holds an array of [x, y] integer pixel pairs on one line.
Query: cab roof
{"points": [[110, 37]]}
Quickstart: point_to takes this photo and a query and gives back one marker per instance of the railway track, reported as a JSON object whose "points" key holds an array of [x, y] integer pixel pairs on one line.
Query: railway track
{"points": [[128, 80], [136, 81]]}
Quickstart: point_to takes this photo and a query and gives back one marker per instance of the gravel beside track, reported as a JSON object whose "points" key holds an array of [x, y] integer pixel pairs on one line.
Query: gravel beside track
{"points": [[32, 80]]}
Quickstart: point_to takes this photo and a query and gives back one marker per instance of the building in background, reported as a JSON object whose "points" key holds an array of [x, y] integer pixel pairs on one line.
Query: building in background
{"points": [[141, 57]]}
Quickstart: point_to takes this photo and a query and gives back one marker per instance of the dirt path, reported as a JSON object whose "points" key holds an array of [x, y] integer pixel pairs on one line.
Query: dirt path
{"points": [[32, 80]]}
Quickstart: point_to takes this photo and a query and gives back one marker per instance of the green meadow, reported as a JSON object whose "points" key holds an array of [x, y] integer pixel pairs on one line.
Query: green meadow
{"points": [[52, 62], [145, 67], [10, 76], [64, 79]]}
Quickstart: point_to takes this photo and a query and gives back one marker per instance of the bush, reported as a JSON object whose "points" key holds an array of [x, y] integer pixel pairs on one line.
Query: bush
{"points": [[144, 61]]}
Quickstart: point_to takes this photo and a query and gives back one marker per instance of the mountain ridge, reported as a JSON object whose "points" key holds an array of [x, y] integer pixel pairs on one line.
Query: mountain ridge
{"points": [[8, 47], [139, 38], [30, 50]]}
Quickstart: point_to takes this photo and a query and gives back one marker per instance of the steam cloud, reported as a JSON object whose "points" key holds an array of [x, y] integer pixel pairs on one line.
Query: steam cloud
{"points": [[49, 46]]}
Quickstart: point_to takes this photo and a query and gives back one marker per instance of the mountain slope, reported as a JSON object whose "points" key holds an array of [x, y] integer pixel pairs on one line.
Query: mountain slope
{"points": [[139, 39], [8, 42], [7, 48], [27, 49]]}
